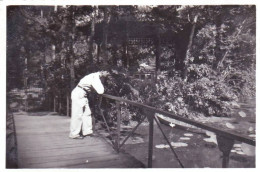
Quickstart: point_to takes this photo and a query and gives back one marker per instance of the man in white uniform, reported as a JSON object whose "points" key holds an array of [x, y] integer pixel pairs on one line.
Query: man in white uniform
{"points": [[81, 113]]}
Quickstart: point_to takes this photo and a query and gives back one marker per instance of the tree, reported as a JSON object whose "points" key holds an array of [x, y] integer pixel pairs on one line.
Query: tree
{"points": [[211, 47]]}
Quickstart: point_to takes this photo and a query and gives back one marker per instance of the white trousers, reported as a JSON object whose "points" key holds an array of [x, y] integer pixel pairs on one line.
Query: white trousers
{"points": [[80, 114]]}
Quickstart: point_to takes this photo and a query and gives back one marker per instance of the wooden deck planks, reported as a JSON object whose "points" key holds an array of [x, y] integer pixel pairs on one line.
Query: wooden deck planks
{"points": [[43, 142]]}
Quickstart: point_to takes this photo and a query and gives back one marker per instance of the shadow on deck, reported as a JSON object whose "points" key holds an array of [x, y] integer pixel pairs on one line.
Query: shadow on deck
{"points": [[43, 142]]}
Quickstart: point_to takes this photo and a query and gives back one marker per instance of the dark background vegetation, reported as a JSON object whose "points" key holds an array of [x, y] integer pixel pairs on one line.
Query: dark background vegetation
{"points": [[201, 58]]}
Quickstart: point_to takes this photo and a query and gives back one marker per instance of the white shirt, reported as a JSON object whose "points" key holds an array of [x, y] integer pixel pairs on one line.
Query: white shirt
{"points": [[93, 80]]}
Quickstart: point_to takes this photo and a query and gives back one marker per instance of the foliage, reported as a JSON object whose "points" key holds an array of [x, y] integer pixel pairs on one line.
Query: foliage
{"points": [[208, 91], [220, 64]]}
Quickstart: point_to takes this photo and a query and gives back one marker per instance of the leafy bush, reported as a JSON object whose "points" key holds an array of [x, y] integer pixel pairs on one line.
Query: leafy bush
{"points": [[208, 95]]}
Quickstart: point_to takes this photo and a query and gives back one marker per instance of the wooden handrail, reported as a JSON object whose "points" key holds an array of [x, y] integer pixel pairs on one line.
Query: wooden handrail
{"points": [[225, 139], [218, 131]]}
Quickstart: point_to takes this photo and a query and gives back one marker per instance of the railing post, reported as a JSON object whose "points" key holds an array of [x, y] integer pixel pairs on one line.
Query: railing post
{"points": [[118, 124], [225, 145], [150, 146]]}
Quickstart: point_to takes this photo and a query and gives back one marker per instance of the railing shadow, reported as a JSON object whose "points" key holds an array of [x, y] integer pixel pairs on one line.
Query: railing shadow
{"points": [[225, 139]]}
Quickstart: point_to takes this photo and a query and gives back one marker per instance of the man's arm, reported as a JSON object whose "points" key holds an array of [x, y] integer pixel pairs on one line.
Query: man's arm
{"points": [[97, 84]]}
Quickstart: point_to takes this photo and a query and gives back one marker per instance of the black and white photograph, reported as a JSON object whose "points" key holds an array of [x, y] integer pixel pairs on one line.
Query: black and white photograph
{"points": [[130, 86]]}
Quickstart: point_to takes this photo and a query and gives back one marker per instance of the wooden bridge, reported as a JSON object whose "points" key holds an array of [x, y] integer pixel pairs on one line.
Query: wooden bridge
{"points": [[43, 142]]}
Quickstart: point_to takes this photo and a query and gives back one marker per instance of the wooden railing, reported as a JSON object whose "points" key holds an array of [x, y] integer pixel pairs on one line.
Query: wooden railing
{"points": [[11, 141], [225, 139]]}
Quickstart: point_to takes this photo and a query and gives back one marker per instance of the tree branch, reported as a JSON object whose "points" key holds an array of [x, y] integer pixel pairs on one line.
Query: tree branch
{"points": [[234, 39]]}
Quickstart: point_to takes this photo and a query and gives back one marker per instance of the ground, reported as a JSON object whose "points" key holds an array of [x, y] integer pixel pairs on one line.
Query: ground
{"points": [[197, 154], [198, 148]]}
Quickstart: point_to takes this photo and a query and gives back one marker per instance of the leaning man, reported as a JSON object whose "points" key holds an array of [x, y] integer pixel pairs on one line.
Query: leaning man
{"points": [[81, 121]]}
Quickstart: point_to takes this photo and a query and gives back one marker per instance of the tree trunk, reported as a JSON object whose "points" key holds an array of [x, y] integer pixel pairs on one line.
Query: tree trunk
{"points": [[59, 100], [220, 57], [90, 52], [71, 52], [72, 72], [41, 13], [43, 76], [221, 60], [68, 104], [98, 53], [158, 53], [53, 48], [114, 56], [125, 57], [54, 103], [218, 52], [187, 55], [105, 32], [55, 8]]}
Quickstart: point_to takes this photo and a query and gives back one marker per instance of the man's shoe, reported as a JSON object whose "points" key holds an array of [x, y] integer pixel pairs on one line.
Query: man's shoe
{"points": [[77, 137], [91, 135]]}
